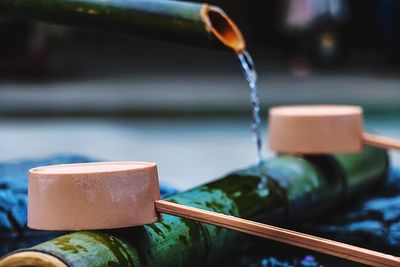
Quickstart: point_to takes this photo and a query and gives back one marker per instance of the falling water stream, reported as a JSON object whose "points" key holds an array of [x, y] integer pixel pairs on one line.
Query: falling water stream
{"points": [[250, 75]]}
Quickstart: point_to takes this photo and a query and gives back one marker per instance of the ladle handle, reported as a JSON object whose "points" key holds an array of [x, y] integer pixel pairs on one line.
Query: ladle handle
{"points": [[380, 141], [348, 252]]}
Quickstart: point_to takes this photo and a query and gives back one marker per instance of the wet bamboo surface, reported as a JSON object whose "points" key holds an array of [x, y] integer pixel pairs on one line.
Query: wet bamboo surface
{"points": [[297, 189]]}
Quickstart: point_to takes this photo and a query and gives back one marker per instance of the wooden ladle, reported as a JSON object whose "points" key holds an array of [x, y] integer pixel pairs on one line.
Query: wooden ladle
{"points": [[320, 129], [123, 194]]}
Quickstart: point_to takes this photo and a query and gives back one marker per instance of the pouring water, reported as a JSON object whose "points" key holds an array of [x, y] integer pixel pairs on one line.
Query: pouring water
{"points": [[250, 74]]}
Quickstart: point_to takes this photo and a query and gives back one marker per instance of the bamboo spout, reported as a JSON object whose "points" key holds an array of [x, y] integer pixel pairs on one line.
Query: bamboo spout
{"points": [[223, 28], [176, 21]]}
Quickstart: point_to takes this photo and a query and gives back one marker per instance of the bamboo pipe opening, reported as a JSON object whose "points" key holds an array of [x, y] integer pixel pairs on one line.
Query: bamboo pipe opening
{"points": [[31, 259], [223, 28]]}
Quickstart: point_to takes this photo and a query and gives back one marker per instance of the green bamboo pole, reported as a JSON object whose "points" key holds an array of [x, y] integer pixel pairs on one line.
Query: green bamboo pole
{"points": [[297, 188], [177, 21]]}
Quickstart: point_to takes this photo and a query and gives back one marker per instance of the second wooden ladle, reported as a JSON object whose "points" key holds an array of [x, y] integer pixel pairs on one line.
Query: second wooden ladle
{"points": [[319, 129], [123, 194]]}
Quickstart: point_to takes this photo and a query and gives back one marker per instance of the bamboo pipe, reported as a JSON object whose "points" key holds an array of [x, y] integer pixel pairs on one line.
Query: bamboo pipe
{"points": [[177, 21], [299, 188], [326, 246]]}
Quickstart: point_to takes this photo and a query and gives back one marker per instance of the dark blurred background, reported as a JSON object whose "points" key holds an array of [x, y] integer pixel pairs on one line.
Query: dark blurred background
{"points": [[66, 90]]}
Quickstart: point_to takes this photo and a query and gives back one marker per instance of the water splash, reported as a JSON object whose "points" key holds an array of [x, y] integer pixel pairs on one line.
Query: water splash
{"points": [[250, 75]]}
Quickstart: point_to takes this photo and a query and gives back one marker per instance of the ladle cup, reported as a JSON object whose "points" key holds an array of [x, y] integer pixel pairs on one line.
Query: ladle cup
{"points": [[123, 194], [321, 129]]}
